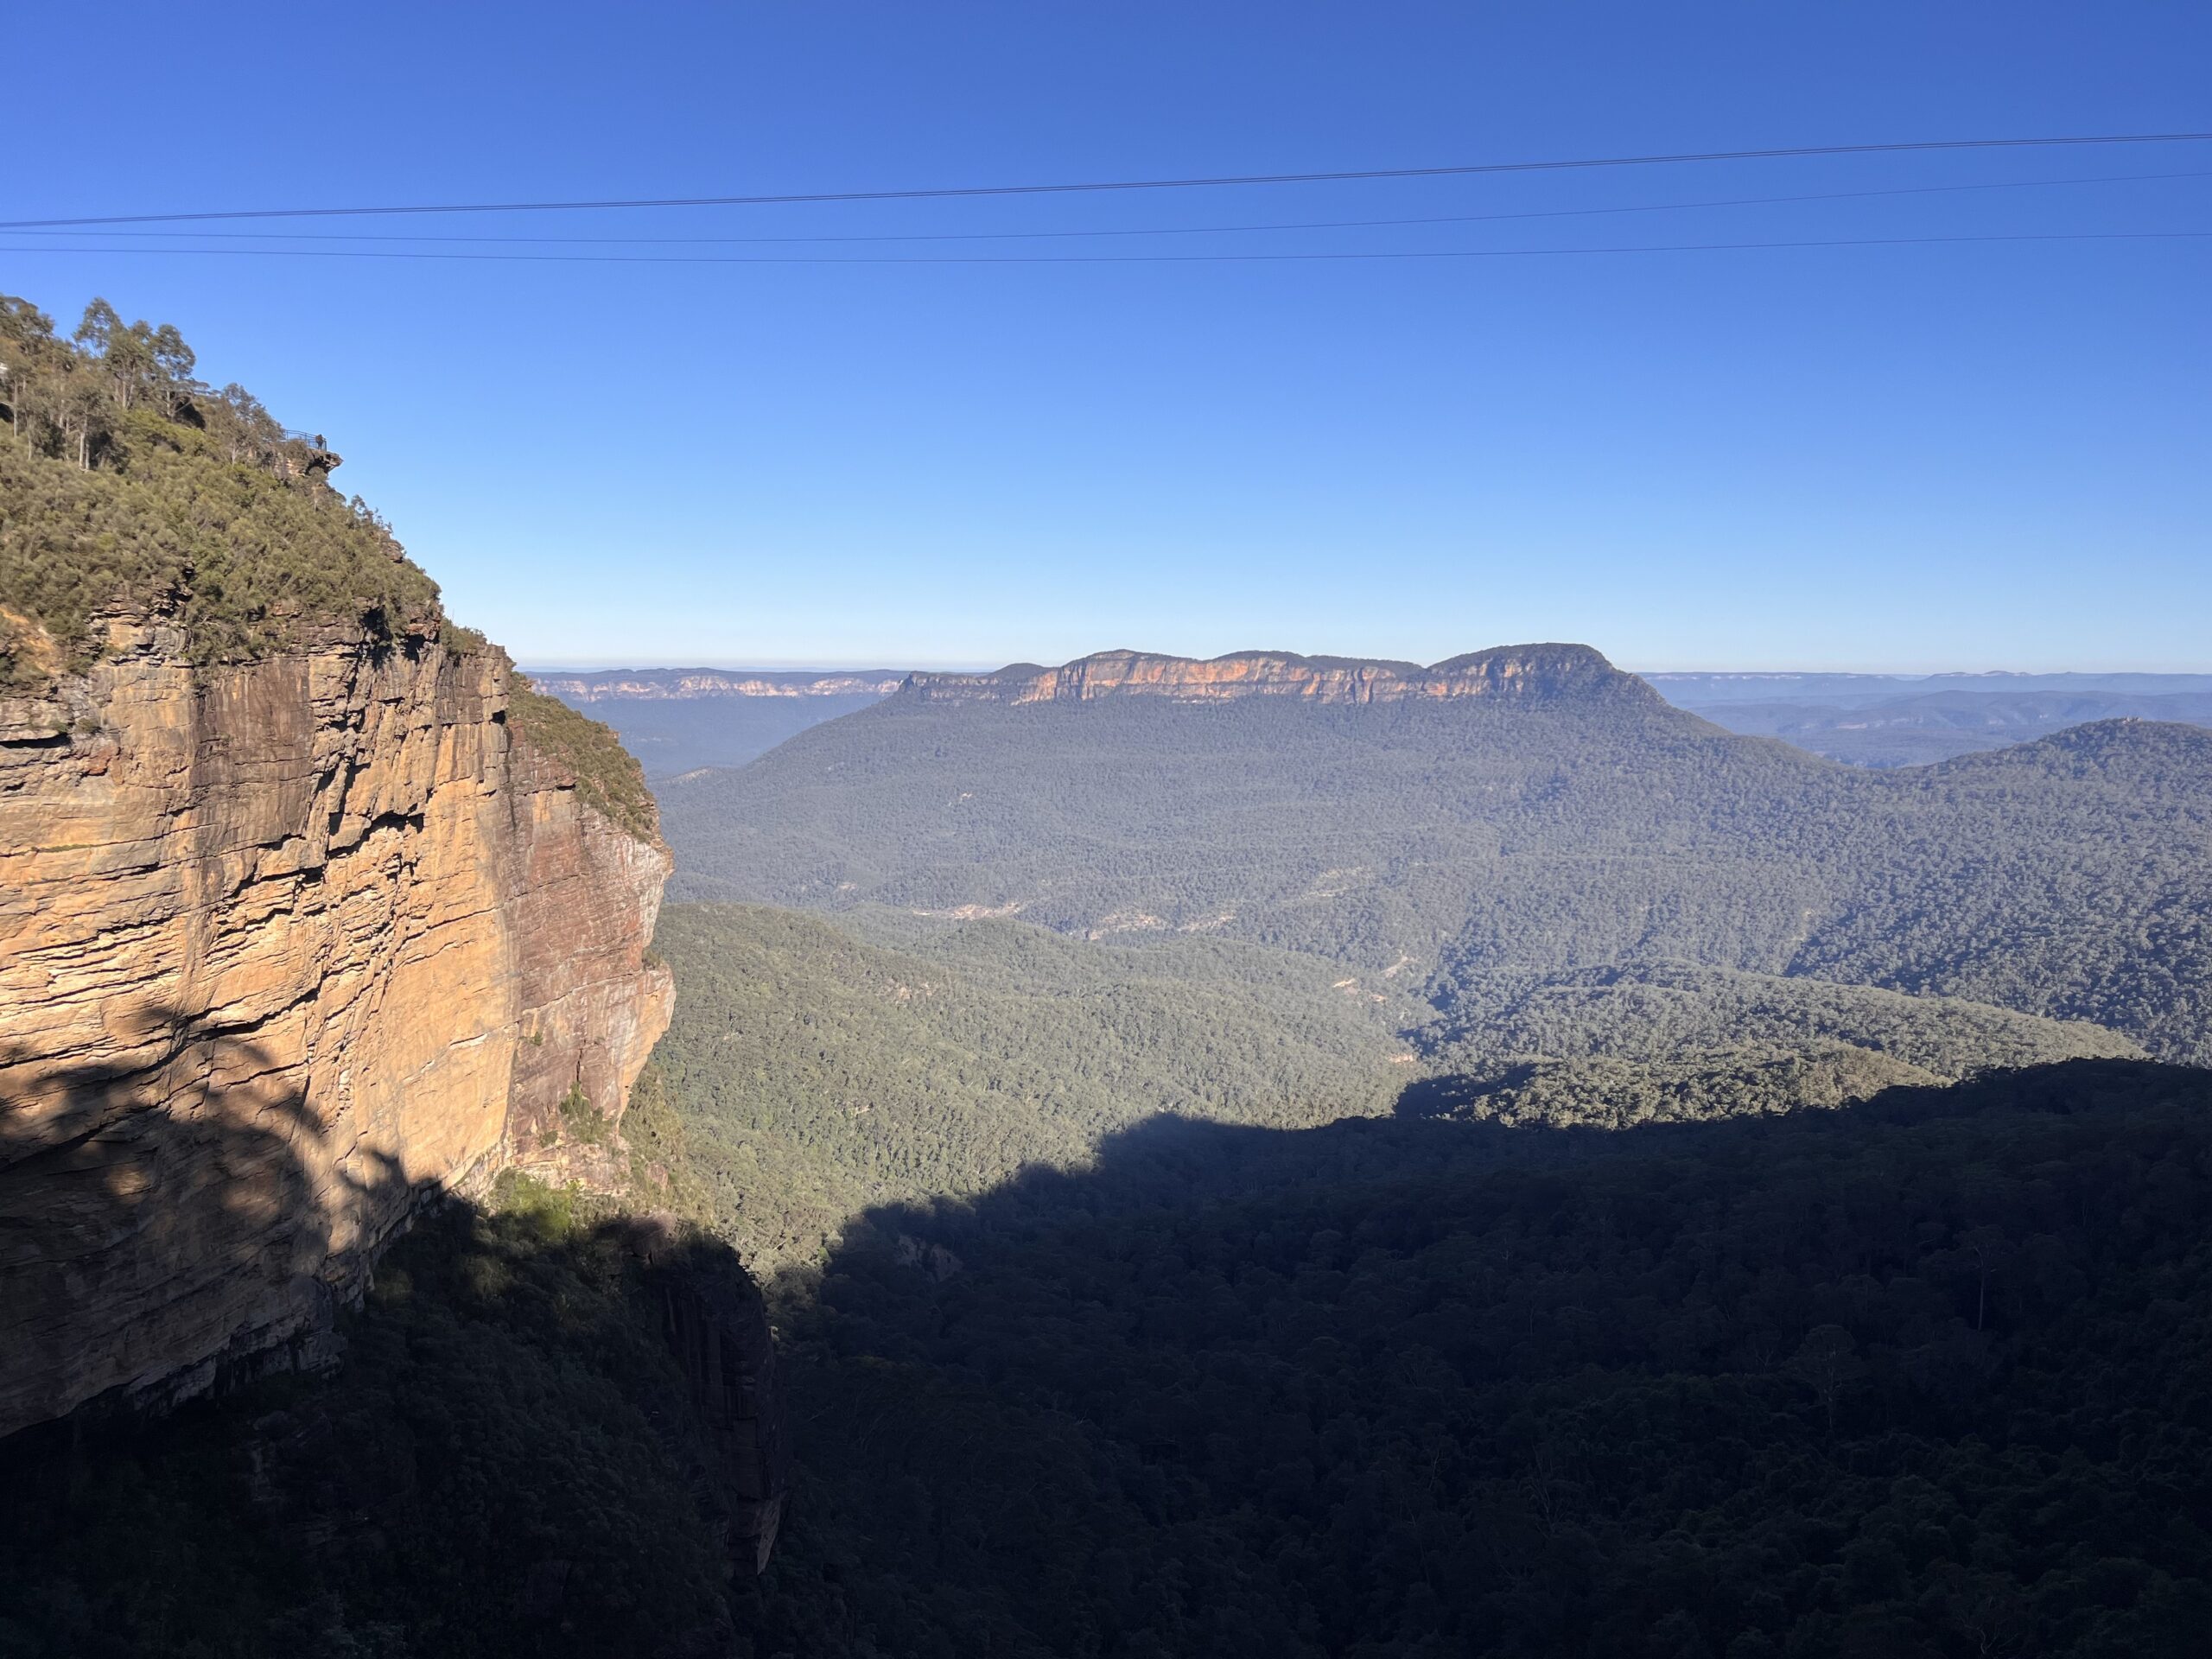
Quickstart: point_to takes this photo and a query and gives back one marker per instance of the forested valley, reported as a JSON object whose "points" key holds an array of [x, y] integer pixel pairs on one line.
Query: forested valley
{"points": [[1533, 1174], [1924, 1377], [2069, 878], [825, 1063], [1554, 1178]]}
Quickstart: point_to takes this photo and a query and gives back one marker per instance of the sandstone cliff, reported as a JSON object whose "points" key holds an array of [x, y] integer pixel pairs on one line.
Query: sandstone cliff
{"points": [[283, 946], [1520, 672]]}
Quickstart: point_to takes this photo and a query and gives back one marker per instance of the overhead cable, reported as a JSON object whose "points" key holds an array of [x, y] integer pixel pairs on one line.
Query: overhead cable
{"points": [[1463, 171]]}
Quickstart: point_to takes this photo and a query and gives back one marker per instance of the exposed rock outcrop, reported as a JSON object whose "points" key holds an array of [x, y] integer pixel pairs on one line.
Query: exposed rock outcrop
{"points": [[1527, 673], [283, 945]]}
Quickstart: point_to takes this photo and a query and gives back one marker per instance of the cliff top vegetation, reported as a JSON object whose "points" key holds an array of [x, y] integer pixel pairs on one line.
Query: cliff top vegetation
{"points": [[607, 775], [126, 484]]}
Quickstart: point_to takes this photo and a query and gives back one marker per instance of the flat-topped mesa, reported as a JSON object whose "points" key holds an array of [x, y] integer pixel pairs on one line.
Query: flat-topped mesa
{"points": [[1534, 673]]}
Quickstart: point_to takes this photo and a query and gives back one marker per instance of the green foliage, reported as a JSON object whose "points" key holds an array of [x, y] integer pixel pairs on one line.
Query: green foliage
{"points": [[1931, 1377], [606, 773], [663, 1172], [1672, 1042], [2068, 879], [819, 1067], [816, 1073], [507, 1463], [581, 1121], [126, 485], [1695, 1086], [1661, 1010]]}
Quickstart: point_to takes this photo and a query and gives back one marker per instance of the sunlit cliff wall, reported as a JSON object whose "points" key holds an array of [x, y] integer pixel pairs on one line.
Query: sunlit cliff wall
{"points": [[283, 946], [1525, 672]]}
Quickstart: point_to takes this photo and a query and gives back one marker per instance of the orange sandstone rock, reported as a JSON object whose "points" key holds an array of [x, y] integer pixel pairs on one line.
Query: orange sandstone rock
{"points": [[1528, 672], [284, 946]]}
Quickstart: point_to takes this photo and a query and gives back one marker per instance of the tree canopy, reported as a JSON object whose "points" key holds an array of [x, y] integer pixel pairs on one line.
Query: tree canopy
{"points": [[129, 487], [2069, 878]]}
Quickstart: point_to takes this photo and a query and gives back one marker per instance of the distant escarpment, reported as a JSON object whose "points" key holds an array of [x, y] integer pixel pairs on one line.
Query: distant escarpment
{"points": [[1527, 810], [1528, 673], [683, 720], [683, 684], [296, 924]]}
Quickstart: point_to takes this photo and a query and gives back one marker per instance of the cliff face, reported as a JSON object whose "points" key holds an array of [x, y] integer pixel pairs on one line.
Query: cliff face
{"points": [[1520, 672], [282, 946]]}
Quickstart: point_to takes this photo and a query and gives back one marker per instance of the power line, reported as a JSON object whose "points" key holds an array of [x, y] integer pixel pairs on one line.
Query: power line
{"points": [[1797, 152], [1120, 258], [1172, 230]]}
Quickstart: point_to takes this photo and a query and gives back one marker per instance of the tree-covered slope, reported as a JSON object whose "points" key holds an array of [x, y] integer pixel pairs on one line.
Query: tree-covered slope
{"points": [[508, 1460], [1341, 830], [1653, 1011], [822, 1064], [1927, 1378], [2071, 877], [818, 1073], [127, 484], [1671, 1041]]}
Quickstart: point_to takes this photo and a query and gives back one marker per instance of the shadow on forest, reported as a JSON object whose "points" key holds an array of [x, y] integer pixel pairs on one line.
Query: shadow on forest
{"points": [[163, 1226], [1925, 1376], [550, 1433], [1879, 1380]]}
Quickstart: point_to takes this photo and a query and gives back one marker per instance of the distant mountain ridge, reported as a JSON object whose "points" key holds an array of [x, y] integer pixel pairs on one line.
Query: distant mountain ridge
{"points": [[2004, 712], [1531, 672], [1542, 812], [681, 720], [1867, 720], [1697, 689], [667, 685]]}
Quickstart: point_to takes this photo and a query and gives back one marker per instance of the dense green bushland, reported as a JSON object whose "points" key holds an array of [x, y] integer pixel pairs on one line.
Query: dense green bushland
{"points": [[505, 1463], [817, 1073], [1661, 1010], [126, 484], [1669, 1041], [1695, 1086], [1903, 1377], [606, 774], [822, 1065], [1929, 1376], [2070, 878], [123, 481]]}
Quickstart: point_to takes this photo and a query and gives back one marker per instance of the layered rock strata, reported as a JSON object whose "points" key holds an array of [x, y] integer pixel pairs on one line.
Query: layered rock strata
{"points": [[1520, 672], [283, 946]]}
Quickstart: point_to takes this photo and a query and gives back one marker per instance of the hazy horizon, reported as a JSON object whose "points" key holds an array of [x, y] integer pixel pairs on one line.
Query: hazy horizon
{"points": [[1893, 411], [731, 665], [1063, 1014]]}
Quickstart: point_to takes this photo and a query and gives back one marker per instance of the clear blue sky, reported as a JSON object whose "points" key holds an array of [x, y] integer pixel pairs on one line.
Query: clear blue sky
{"points": [[1951, 456]]}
